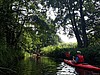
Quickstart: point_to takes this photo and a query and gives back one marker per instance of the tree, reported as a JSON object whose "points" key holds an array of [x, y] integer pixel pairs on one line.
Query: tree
{"points": [[92, 13], [22, 28], [73, 12]]}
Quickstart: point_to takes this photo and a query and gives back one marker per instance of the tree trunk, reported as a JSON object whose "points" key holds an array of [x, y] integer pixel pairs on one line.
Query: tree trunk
{"points": [[84, 35], [75, 29]]}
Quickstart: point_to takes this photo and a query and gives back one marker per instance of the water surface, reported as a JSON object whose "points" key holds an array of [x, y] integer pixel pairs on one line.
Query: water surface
{"points": [[41, 66], [45, 66]]}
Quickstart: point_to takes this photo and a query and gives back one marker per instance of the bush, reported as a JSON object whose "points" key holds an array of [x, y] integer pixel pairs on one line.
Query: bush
{"points": [[91, 54]]}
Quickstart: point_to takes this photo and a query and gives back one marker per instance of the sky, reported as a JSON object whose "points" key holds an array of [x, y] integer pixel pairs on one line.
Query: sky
{"points": [[51, 13], [65, 39]]}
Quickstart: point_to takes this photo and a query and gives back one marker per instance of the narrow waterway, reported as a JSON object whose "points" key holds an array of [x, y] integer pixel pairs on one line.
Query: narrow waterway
{"points": [[40, 66], [44, 66]]}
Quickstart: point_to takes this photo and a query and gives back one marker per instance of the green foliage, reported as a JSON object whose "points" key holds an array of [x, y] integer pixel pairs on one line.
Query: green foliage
{"points": [[27, 42], [82, 15], [9, 56], [22, 28], [91, 54], [57, 49]]}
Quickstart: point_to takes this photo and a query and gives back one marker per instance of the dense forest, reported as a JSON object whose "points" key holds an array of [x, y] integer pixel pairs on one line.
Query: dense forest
{"points": [[26, 27]]}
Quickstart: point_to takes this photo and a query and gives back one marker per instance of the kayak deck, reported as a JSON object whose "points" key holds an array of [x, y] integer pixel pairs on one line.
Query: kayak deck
{"points": [[82, 66]]}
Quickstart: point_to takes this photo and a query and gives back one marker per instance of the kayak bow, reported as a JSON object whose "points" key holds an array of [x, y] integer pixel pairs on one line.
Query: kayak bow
{"points": [[82, 66]]}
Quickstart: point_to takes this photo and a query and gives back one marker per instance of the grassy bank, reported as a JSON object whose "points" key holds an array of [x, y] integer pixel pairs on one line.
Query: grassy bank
{"points": [[91, 54]]}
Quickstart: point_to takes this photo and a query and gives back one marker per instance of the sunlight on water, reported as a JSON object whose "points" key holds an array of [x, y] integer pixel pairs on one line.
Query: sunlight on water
{"points": [[64, 69]]}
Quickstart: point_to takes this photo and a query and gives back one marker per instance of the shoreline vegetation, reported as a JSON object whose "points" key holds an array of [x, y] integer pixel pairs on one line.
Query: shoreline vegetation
{"points": [[91, 53], [26, 28]]}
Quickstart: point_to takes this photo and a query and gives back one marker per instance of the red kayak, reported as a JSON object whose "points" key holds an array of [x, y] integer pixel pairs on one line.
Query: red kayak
{"points": [[82, 66]]}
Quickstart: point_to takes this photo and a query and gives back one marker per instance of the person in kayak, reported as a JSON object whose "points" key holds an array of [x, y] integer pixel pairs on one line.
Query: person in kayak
{"points": [[79, 58], [68, 55]]}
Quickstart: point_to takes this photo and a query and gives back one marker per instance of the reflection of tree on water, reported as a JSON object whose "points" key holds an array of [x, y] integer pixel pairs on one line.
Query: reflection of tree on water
{"points": [[64, 69]]}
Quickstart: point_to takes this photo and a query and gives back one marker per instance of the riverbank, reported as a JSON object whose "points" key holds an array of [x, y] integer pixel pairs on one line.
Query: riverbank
{"points": [[91, 54]]}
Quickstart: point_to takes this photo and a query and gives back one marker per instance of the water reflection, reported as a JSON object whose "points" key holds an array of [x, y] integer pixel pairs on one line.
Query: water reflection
{"points": [[42, 66], [64, 69]]}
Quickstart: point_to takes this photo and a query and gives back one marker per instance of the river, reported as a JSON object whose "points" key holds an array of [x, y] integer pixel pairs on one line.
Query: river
{"points": [[43, 66], [40, 66]]}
